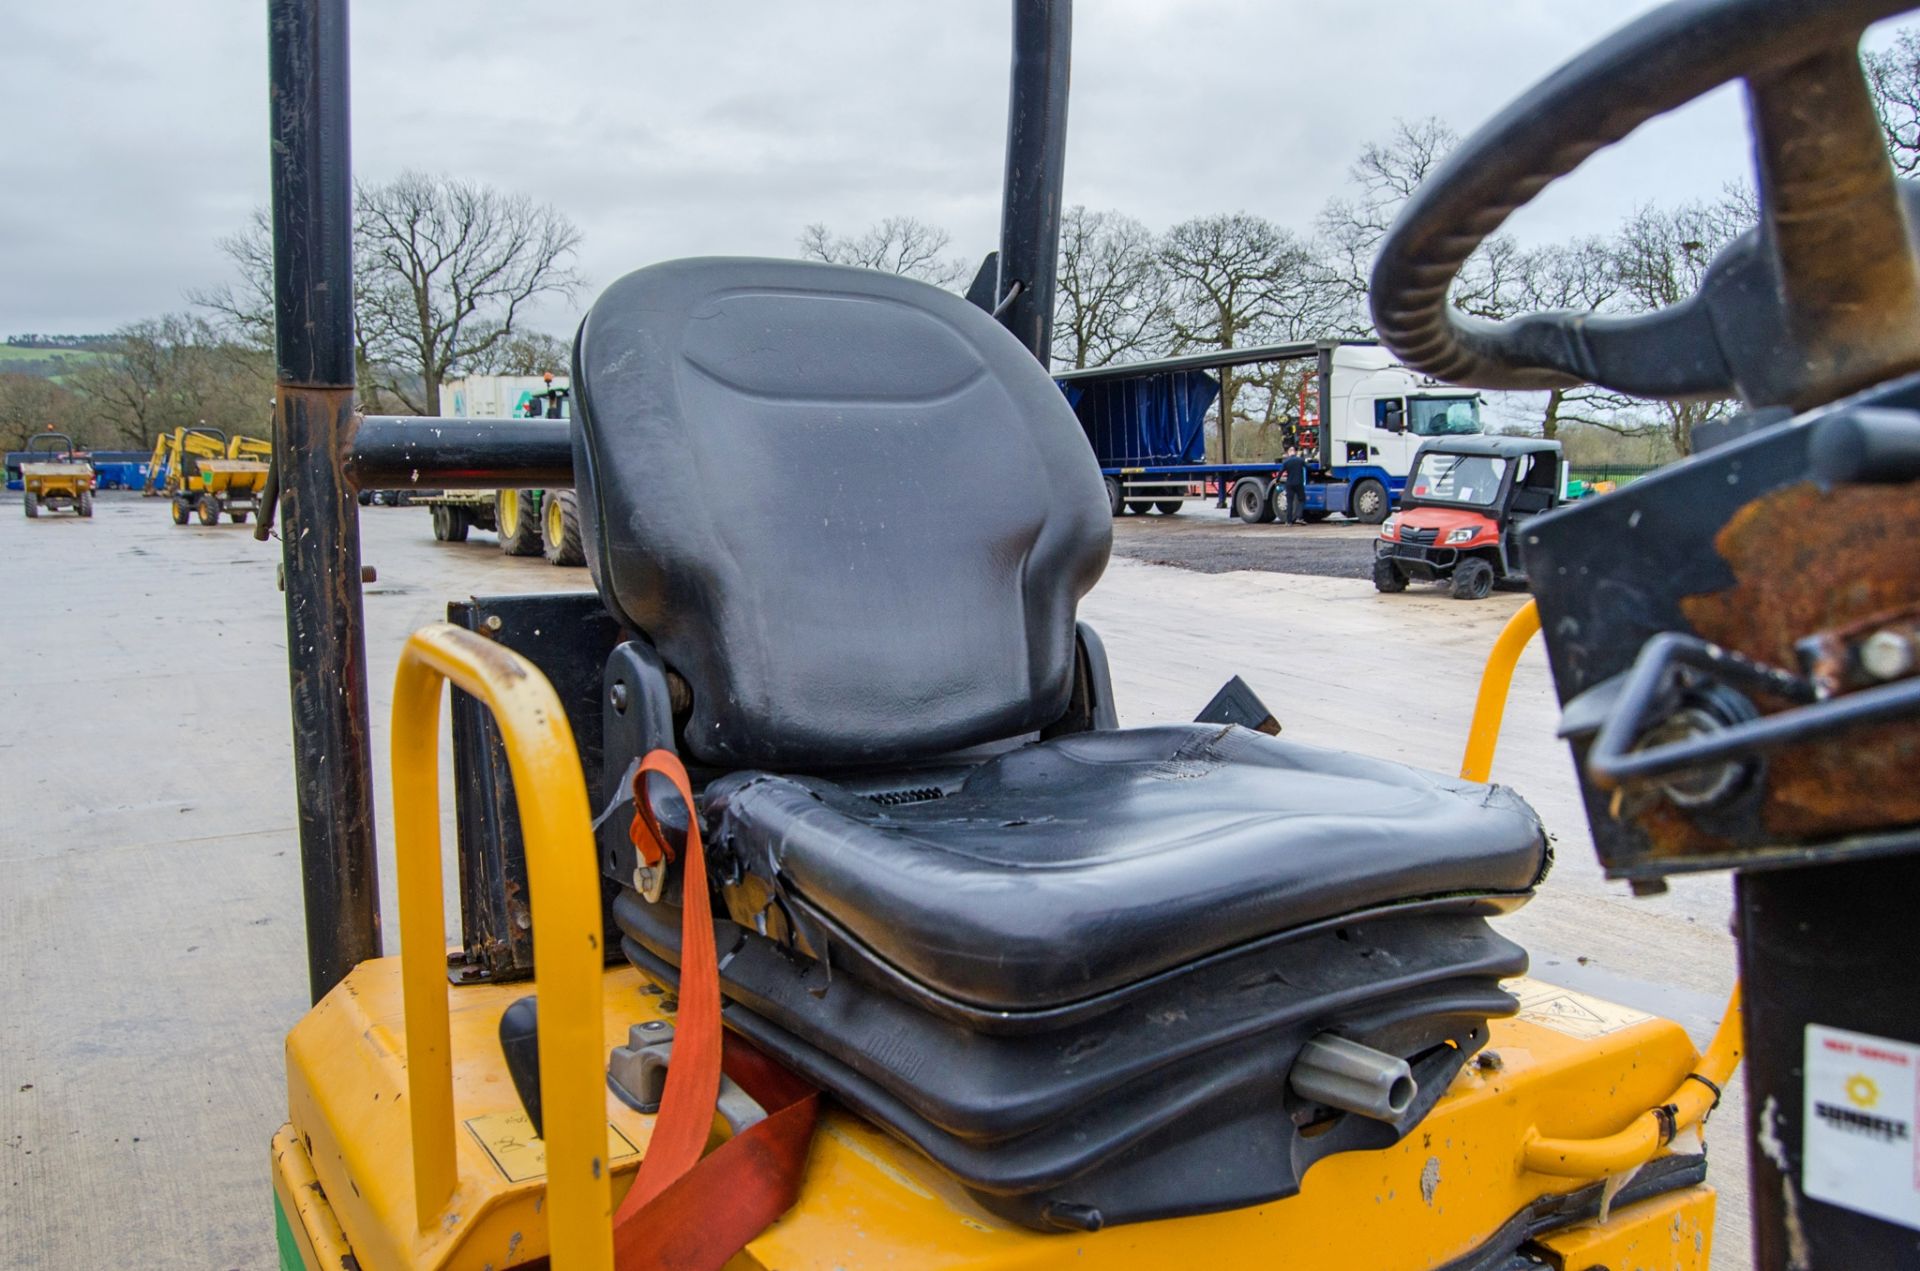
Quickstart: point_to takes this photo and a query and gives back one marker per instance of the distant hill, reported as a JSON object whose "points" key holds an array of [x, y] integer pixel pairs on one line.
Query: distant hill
{"points": [[45, 360]]}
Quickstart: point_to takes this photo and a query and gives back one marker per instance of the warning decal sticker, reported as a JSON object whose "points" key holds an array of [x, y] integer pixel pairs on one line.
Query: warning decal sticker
{"points": [[1859, 1150], [519, 1154], [1569, 1013]]}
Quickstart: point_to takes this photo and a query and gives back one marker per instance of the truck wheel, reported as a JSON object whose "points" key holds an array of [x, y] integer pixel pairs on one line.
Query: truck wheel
{"points": [[517, 516], [1139, 507], [1367, 502], [1167, 507], [85, 503], [458, 522], [442, 524], [32, 501], [1114, 499], [560, 530], [209, 510], [238, 518], [1387, 576], [1253, 501], [180, 511], [1472, 579]]}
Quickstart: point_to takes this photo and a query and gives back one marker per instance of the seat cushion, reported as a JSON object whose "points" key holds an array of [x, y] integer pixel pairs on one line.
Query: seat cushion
{"points": [[1072, 867]]}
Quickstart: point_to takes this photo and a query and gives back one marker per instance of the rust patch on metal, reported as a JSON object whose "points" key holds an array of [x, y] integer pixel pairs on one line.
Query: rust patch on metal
{"points": [[1807, 560]]}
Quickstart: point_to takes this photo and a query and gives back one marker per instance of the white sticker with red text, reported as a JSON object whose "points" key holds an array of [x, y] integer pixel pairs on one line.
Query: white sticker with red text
{"points": [[1859, 1147]]}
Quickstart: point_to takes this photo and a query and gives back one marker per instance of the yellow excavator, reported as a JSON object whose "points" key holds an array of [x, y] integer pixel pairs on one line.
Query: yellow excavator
{"points": [[202, 473], [817, 913]]}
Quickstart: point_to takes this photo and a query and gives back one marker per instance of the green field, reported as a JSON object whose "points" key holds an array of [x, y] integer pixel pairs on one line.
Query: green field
{"points": [[20, 353]]}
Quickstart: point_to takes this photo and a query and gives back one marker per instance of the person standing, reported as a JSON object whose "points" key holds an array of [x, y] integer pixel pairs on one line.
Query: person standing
{"points": [[1293, 475]]}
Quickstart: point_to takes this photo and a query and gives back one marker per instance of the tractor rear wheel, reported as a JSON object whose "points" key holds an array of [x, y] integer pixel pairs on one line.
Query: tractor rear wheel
{"points": [[32, 501], [84, 504], [516, 515], [209, 509], [1472, 579], [560, 530]]}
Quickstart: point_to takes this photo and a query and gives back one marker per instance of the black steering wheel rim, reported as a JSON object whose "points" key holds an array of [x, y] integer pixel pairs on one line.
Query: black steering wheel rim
{"points": [[1655, 64]]}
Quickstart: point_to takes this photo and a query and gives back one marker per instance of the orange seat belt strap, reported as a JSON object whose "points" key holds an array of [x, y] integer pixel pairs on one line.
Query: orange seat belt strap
{"points": [[683, 1212]]}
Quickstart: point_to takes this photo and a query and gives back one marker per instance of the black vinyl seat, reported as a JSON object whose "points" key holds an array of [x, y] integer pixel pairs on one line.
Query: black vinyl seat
{"points": [[1080, 865], [1072, 964]]}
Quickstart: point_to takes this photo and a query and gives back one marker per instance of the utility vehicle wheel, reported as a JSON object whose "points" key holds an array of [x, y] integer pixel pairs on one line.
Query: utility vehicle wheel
{"points": [[32, 501], [1252, 502], [238, 518], [1114, 500], [209, 510], [1139, 507], [1387, 576], [1167, 507], [560, 530], [181, 511], [85, 503], [1472, 579], [1367, 502], [516, 515]]}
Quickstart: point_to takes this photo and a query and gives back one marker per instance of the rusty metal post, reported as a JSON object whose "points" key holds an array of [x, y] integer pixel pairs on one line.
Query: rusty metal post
{"points": [[1036, 169], [314, 427]]}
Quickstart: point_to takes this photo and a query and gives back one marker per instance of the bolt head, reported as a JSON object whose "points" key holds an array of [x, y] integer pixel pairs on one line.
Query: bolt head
{"points": [[1887, 655]]}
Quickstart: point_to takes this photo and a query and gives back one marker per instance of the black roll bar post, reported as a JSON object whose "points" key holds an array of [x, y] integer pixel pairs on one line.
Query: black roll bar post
{"points": [[1036, 169], [314, 428]]}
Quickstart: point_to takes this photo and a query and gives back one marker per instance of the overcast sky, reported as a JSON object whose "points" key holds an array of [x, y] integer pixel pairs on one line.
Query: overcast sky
{"points": [[136, 131]]}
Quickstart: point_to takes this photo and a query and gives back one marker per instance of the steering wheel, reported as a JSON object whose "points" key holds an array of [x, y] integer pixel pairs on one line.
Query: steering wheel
{"points": [[1822, 298]]}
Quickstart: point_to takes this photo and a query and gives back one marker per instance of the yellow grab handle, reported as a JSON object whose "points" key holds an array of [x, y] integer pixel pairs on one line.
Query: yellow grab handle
{"points": [[1495, 681], [1653, 1129], [565, 891]]}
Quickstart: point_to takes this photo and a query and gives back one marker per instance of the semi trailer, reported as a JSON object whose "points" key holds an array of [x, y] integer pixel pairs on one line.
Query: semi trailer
{"points": [[1359, 418]]}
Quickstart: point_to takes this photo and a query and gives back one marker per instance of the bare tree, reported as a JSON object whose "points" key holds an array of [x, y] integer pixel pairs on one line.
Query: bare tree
{"points": [[1660, 257], [171, 371], [527, 353], [1238, 279], [1352, 226], [31, 404], [1579, 276], [1893, 76], [1110, 299], [444, 271], [897, 245]]}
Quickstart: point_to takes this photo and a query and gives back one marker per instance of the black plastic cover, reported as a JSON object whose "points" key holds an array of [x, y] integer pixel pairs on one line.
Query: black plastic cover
{"points": [[849, 508]]}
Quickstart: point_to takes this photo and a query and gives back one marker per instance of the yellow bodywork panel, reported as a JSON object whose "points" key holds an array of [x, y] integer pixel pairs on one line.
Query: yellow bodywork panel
{"points": [[56, 477], [1664, 1233], [345, 1161]]}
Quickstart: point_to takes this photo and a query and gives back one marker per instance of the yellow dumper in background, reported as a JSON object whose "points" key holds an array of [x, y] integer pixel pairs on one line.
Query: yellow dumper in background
{"points": [[204, 473], [61, 480]]}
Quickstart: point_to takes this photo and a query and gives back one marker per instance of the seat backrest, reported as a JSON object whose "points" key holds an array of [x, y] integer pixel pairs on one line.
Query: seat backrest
{"points": [[849, 508]]}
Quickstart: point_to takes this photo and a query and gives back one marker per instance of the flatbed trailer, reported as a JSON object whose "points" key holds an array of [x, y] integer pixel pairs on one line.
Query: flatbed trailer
{"points": [[1360, 419]]}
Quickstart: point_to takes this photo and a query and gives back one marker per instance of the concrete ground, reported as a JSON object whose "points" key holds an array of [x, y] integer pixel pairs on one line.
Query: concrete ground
{"points": [[151, 955]]}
